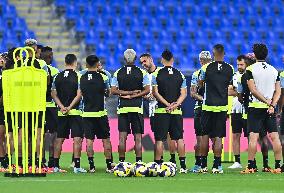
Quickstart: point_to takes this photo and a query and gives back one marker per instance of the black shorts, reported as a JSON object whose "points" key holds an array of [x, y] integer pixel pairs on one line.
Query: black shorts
{"points": [[197, 121], [168, 123], [259, 121], [128, 122], [67, 123], [282, 124], [214, 123], [96, 126], [2, 117], [30, 123], [152, 124], [51, 120], [238, 124]]}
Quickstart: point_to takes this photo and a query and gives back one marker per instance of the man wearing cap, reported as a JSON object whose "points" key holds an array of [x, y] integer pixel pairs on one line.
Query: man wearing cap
{"points": [[130, 83], [196, 93]]}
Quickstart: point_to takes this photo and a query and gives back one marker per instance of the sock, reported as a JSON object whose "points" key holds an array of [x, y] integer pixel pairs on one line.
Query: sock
{"points": [[29, 161], [91, 162], [217, 162], [182, 162], [51, 162], [56, 162], [157, 161], [37, 162], [203, 161], [251, 164], [277, 164], [265, 161], [162, 159], [198, 160], [20, 161], [121, 159], [77, 162], [108, 163], [138, 159], [238, 158], [4, 162], [173, 158], [72, 158]]}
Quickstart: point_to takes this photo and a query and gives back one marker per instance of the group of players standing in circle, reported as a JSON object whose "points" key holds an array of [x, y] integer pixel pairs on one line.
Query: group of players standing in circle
{"points": [[76, 105]]}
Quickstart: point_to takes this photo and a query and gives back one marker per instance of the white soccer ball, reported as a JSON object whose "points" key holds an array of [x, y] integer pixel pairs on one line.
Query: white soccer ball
{"points": [[122, 169], [167, 169], [153, 169], [139, 169]]}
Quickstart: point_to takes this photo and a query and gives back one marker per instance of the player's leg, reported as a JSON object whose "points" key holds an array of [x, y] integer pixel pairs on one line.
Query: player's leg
{"points": [[124, 129], [263, 140], [62, 133], [206, 124], [90, 136], [77, 135], [198, 134], [237, 125], [162, 125], [137, 124], [270, 124], [176, 134], [172, 148], [3, 162], [217, 134]]}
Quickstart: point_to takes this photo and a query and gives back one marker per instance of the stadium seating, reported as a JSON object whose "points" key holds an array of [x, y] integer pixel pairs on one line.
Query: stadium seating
{"points": [[186, 27], [13, 29]]}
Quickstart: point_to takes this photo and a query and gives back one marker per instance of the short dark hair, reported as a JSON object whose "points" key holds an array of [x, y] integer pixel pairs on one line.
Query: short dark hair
{"points": [[39, 46], [219, 48], [167, 55], [92, 60], [260, 51], [70, 59], [46, 49], [11, 51], [241, 57], [145, 55]]}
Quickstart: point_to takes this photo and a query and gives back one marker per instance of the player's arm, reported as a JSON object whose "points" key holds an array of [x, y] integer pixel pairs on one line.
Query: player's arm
{"points": [[57, 101], [240, 92], [159, 97], [182, 97], [193, 88], [116, 91], [107, 88], [281, 100], [146, 88], [232, 91], [76, 100]]}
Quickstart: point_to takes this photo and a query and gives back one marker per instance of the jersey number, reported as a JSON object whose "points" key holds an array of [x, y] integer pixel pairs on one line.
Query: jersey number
{"points": [[264, 66], [128, 70], [90, 77], [170, 71], [219, 67], [66, 73]]}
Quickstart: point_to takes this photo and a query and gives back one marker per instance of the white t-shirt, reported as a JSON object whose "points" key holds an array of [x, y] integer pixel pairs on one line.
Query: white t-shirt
{"points": [[237, 106]]}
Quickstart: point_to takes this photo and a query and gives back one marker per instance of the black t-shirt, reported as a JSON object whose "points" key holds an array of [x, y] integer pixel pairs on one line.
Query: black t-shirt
{"points": [[169, 81], [66, 83], [217, 76], [129, 78], [245, 91], [93, 85]]}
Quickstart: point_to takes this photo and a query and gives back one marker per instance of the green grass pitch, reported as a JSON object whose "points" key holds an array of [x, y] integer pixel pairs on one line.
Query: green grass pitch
{"points": [[100, 182]]}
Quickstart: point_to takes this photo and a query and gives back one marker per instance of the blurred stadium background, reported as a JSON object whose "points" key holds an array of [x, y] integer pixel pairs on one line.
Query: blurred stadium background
{"points": [[107, 28]]}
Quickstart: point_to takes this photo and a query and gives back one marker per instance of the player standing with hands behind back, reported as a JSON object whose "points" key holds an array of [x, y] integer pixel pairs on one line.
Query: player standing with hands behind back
{"points": [[169, 88]]}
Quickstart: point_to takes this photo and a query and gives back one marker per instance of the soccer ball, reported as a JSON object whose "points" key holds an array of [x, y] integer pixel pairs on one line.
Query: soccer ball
{"points": [[153, 169], [122, 169], [167, 169], [140, 169]]}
